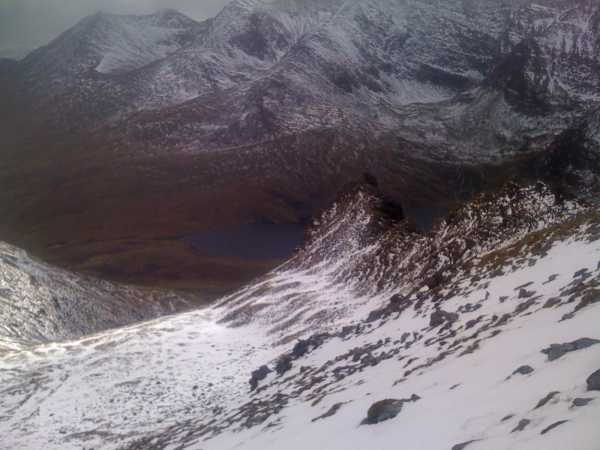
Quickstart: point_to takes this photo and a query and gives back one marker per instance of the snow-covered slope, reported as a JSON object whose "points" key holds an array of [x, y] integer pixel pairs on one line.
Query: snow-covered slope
{"points": [[496, 350], [39, 303], [112, 44]]}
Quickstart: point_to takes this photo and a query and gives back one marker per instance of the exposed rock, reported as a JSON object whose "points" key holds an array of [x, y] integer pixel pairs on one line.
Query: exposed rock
{"points": [[386, 409], [556, 351], [524, 293], [523, 423], [440, 317], [284, 364], [543, 402], [472, 323], [552, 278], [397, 304], [583, 273], [553, 426], [593, 381], [522, 307], [258, 375], [330, 412], [589, 298], [305, 346], [464, 444], [552, 302], [580, 402], [524, 370]]}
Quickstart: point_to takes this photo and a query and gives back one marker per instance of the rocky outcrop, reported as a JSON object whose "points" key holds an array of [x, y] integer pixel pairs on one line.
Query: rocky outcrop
{"points": [[556, 351], [593, 381], [386, 409]]}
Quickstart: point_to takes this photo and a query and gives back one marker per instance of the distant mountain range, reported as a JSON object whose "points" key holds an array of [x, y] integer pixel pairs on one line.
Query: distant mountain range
{"points": [[138, 129]]}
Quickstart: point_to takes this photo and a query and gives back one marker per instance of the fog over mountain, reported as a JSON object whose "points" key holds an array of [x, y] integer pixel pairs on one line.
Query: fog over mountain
{"points": [[46, 19]]}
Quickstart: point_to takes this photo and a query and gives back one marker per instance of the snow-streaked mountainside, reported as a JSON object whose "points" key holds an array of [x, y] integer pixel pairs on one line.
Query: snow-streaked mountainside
{"points": [[480, 334], [40, 303]]}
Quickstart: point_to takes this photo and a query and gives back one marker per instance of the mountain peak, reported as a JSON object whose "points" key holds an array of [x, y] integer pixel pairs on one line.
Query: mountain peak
{"points": [[114, 44]]}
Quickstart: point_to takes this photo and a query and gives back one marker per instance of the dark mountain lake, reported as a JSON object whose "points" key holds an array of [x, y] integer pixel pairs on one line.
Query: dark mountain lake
{"points": [[251, 242]]}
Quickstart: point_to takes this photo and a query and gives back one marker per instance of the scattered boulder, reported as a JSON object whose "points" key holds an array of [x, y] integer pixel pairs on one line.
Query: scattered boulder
{"points": [[383, 410], [556, 351], [553, 426], [386, 409], [580, 402], [593, 381], [258, 375], [521, 426], [524, 370], [441, 317]]}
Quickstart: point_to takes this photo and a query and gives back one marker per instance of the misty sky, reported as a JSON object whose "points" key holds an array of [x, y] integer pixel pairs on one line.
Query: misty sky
{"points": [[28, 24]]}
